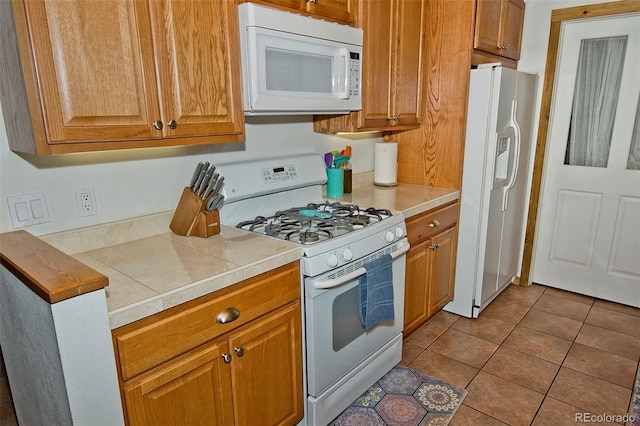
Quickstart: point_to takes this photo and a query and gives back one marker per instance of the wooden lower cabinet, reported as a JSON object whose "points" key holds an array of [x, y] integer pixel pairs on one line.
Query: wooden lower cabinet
{"points": [[194, 389], [430, 271], [266, 370], [247, 374]]}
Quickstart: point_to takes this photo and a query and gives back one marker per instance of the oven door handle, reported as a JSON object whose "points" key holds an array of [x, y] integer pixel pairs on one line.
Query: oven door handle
{"points": [[323, 284]]}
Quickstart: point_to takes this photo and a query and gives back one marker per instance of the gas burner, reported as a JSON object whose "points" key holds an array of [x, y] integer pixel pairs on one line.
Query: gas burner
{"points": [[315, 222], [308, 237]]}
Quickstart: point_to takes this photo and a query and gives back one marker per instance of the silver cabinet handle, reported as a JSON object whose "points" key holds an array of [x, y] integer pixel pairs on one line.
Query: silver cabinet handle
{"points": [[434, 246], [228, 315], [172, 124], [434, 224], [226, 358], [157, 124], [239, 352]]}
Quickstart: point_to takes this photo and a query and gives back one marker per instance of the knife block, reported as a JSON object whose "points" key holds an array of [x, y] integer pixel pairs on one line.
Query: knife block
{"points": [[191, 217]]}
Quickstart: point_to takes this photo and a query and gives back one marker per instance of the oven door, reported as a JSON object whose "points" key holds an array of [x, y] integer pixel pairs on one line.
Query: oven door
{"points": [[336, 340]]}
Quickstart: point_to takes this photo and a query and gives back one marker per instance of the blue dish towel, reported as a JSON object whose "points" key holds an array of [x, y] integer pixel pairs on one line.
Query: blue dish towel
{"points": [[375, 298]]}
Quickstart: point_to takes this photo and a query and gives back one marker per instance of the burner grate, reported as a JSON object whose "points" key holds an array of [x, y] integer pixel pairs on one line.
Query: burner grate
{"points": [[315, 222]]}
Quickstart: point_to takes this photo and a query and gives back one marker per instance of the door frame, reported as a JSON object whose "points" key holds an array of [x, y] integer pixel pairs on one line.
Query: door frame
{"points": [[558, 17]]}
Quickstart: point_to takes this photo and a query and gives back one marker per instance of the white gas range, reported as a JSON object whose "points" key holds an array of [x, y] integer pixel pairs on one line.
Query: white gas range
{"points": [[282, 198]]}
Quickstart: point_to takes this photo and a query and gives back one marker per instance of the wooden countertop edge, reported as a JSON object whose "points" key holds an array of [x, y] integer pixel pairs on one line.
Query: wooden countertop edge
{"points": [[48, 272]]}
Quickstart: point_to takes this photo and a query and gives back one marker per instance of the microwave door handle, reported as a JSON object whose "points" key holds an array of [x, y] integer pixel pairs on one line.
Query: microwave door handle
{"points": [[335, 282], [343, 53]]}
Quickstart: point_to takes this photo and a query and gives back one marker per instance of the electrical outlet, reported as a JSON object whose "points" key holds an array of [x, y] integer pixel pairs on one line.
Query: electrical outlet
{"points": [[86, 201]]}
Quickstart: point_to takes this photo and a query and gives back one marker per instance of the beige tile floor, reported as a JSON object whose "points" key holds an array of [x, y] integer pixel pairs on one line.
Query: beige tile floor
{"points": [[535, 356]]}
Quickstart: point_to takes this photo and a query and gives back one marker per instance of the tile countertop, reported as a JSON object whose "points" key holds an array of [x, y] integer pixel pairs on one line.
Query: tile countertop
{"points": [[407, 199], [150, 269]]}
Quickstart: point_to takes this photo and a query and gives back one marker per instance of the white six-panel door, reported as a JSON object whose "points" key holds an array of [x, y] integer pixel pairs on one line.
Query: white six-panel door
{"points": [[588, 231]]}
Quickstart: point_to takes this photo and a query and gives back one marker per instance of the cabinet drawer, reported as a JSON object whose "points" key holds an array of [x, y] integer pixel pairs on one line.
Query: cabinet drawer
{"points": [[423, 226], [151, 341]]}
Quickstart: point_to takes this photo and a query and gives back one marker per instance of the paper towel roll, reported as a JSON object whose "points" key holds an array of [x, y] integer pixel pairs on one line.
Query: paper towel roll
{"points": [[385, 164]]}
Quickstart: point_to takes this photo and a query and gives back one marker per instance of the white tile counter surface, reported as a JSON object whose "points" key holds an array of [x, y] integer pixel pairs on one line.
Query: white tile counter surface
{"points": [[407, 199], [151, 269]]}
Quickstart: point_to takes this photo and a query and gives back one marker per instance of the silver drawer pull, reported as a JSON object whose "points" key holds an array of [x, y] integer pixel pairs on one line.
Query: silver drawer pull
{"points": [[226, 358], [228, 315], [239, 351], [434, 223]]}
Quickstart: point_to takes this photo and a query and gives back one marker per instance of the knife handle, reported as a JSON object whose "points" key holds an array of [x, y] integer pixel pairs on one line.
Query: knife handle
{"points": [[196, 175]]}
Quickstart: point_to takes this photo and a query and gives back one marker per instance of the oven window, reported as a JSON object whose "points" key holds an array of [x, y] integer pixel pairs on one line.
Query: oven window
{"points": [[346, 319]]}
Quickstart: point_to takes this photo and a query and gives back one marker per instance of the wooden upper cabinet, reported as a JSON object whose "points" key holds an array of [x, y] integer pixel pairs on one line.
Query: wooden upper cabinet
{"points": [[125, 74], [341, 11], [197, 54], [407, 62], [499, 27], [391, 73], [377, 68], [94, 70]]}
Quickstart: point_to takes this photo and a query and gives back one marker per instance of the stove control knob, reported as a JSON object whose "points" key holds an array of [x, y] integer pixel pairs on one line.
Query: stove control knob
{"points": [[389, 236], [332, 260], [347, 255], [399, 232]]}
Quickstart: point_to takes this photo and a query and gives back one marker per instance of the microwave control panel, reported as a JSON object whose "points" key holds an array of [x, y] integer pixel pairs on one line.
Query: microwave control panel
{"points": [[354, 68]]}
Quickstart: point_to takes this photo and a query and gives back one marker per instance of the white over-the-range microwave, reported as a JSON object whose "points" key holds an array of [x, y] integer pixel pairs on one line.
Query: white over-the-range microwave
{"points": [[293, 64]]}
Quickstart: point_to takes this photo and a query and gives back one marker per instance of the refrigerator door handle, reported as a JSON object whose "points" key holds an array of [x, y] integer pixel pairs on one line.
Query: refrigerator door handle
{"points": [[516, 155]]}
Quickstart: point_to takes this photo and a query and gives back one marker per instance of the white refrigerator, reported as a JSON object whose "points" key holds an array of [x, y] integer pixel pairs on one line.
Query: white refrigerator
{"points": [[498, 149]]}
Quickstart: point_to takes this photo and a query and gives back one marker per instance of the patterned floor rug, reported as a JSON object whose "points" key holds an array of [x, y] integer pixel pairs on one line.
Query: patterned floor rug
{"points": [[404, 397], [634, 412]]}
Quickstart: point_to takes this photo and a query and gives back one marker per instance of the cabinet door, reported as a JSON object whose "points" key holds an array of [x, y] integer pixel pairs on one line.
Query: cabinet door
{"points": [[340, 10], [513, 18], [267, 369], [94, 67], [376, 19], [391, 87], [193, 389], [197, 45], [289, 4], [416, 292], [336, 10], [443, 253], [391, 73], [407, 63], [487, 35], [499, 27]]}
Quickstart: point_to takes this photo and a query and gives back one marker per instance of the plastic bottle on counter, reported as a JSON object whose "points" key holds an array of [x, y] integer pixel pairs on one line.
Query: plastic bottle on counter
{"points": [[347, 177]]}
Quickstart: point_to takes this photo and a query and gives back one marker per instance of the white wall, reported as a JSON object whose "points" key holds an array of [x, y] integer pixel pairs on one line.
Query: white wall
{"points": [[138, 182]]}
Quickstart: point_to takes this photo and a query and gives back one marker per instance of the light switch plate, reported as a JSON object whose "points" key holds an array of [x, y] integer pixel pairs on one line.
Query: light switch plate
{"points": [[28, 209]]}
